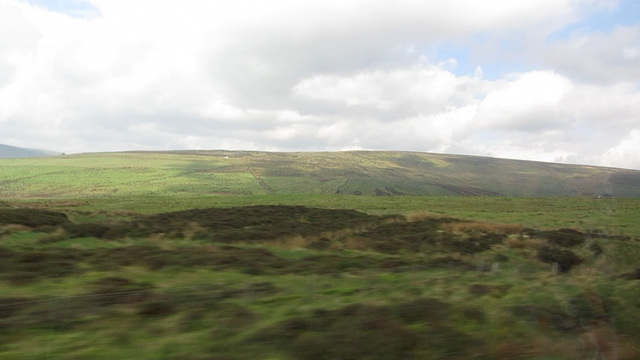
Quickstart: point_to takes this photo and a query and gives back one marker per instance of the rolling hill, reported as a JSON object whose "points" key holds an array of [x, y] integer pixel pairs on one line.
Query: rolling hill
{"points": [[380, 173], [7, 151]]}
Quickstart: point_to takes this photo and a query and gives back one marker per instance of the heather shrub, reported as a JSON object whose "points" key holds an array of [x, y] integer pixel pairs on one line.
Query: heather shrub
{"points": [[566, 259], [32, 217], [428, 310], [564, 237]]}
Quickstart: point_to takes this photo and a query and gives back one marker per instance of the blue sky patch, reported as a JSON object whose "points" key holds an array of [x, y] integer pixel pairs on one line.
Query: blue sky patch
{"points": [[469, 58], [73, 8], [627, 13]]}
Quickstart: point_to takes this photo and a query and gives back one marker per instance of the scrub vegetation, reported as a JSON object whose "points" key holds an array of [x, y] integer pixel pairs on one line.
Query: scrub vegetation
{"points": [[89, 272]]}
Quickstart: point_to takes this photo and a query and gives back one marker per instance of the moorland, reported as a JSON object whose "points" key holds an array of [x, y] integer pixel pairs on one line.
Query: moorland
{"points": [[356, 255]]}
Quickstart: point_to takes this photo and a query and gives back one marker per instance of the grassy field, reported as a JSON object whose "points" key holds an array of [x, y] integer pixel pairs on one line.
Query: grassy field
{"points": [[347, 173], [112, 256], [612, 216]]}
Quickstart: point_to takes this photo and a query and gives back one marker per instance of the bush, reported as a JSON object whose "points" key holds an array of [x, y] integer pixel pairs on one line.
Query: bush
{"points": [[19, 278], [427, 310], [475, 314], [564, 237], [32, 217], [156, 307], [86, 230], [596, 248], [589, 307], [361, 332], [552, 315], [565, 259], [635, 275], [113, 290]]}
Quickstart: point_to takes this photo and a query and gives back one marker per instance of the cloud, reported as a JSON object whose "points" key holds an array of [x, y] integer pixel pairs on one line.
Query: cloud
{"points": [[605, 58], [330, 75], [421, 88], [529, 101], [626, 153], [18, 38]]}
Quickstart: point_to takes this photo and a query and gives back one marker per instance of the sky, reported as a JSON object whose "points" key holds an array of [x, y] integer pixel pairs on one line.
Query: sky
{"points": [[544, 80]]}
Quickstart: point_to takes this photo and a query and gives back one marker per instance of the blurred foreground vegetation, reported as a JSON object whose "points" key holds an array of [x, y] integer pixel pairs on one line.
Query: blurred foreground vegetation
{"points": [[84, 279]]}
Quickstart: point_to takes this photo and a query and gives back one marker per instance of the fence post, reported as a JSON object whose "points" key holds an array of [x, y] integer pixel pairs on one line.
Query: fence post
{"points": [[495, 267]]}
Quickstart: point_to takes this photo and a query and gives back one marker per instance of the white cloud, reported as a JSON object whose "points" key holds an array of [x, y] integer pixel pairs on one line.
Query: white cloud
{"points": [[422, 88], [528, 101], [626, 153], [320, 75]]}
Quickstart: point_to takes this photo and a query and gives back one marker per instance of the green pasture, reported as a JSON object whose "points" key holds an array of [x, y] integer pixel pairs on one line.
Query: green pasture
{"points": [[346, 173], [610, 216], [151, 182]]}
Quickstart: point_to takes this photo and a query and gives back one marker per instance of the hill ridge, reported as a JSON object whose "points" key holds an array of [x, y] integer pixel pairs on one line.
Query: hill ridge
{"points": [[375, 173], [8, 151]]}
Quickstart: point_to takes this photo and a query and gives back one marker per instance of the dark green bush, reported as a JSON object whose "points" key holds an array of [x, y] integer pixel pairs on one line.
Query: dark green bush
{"points": [[32, 217], [565, 259], [157, 306], [635, 275], [321, 244], [501, 258], [471, 246], [474, 313], [589, 307], [251, 223], [564, 237], [479, 289], [403, 236], [21, 277], [546, 315], [360, 332], [113, 290], [422, 310], [86, 230], [596, 248]]}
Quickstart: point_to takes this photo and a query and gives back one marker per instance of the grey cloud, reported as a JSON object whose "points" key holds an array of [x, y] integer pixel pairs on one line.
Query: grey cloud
{"points": [[598, 58]]}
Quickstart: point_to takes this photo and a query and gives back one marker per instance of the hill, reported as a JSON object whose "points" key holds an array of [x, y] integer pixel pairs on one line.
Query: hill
{"points": [[380, 173], [7, 151]]}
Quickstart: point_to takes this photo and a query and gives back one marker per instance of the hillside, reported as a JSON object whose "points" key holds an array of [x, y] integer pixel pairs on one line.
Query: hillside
{"points": [[381, 173], [7, 151]]}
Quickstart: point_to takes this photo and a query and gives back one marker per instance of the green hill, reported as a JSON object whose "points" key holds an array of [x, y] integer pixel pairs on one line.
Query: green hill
{"points": [[7, 151], [381, 173]]}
